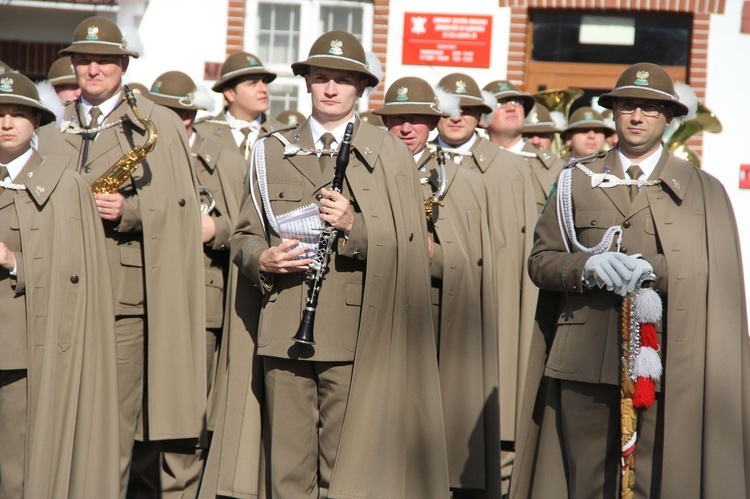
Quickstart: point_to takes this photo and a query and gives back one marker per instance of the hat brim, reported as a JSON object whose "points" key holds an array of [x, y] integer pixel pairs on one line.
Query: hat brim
{"points": [[233, 78], [17, 100], [303, 67], [590, 125], [606, 100], [528, 100], [96, 48], [172, 102], [466, 102], [403, 108], [63, 80], [539, 128]]}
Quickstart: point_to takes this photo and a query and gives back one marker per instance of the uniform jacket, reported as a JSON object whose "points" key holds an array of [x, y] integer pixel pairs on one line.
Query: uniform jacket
{"points": [[73, 425], [217, 129], [467, 331], [394, 409], [545, 167], [221, 170], [512, 215], [704, 343], [161, 214]]}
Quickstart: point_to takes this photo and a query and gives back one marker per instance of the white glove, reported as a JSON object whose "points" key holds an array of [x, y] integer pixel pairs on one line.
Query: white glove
{"points": [[642, 269], [611, 270]]}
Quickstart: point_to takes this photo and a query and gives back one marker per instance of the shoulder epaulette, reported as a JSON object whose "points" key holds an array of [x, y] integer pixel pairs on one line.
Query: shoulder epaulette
{"points": [[283, 129]]}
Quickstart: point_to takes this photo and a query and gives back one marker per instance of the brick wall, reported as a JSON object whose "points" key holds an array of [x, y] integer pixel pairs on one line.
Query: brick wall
{"points": [[381, 12], [235, 26]]}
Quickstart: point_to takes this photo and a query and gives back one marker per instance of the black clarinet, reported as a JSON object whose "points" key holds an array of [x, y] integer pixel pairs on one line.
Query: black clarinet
{"points": [[326, 243]]}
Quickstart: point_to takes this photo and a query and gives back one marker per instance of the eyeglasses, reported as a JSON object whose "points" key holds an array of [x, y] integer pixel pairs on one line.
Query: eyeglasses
{"points": [[648, 109], [510, 101]]}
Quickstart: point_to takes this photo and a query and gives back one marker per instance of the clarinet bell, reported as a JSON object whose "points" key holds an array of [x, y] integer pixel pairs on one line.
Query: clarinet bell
{"points": [[304, 333]]}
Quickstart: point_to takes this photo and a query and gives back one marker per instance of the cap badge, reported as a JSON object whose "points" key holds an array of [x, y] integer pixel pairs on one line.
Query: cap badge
{"points": [[642, 78], [402, 94], [534, 117], [588, 115], [92, 33], [292, 120], [461, 87], [336, 47], [251, 61], [156, 87], [6, 85], [503, 87]]}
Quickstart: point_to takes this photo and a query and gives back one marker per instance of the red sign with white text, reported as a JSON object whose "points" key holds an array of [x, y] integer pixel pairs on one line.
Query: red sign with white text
{"points": [[447, 40]]}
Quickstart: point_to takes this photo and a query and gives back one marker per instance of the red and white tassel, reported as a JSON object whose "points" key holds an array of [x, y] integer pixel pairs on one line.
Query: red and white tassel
{"points": [[647, 368]]}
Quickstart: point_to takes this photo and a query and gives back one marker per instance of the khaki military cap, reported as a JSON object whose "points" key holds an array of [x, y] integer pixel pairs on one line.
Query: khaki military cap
{"points": [[4, 68], [174, 89], [98, 35], [238, 65], [138, 88], [62, 72], [411, 95], [290, 117], [17, 90], [464, 86], [337, 50], [539, 120], [372, 118], [585, 118], [645, 81], [503, 89]]}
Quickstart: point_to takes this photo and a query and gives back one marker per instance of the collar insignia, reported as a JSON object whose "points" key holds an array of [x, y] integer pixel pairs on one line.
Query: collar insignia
{"points": [[642, 78], [460, 87], [402, 94], [6, 85], [336, 47], [39, 190], [92, 33], [296, 138], [368, 151], [676, 183]]}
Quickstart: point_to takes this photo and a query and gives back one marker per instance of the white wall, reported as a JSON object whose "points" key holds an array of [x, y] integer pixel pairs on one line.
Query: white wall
{"points": [[727, 96], [433, 74], [181, 39]]}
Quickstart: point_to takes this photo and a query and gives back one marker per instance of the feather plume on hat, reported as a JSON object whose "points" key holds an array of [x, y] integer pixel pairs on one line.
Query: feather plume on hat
{"points": [[449, 103], [558, 118], [132, 40], [687, 96], [376, 68], [51, 100], [491, 101], [203, 98]]}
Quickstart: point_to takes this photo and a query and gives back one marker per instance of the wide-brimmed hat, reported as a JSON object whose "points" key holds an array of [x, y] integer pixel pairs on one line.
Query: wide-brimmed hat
{"points": [[337, 50], [62, 72], [586, 118], [539, 120], [503, 89], [174, 89], [411, 95], [290, 117], [238, 65], [466, 89], [645, 81], [98, 35], [18, 90]]}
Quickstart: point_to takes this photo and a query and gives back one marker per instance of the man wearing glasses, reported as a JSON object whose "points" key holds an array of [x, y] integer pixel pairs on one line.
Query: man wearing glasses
{"points": [[615, 217], [505, 129]]}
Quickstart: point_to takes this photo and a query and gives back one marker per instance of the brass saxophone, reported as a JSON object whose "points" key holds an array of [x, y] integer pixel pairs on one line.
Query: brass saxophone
{"points": [[121, 171], [436, 199]]}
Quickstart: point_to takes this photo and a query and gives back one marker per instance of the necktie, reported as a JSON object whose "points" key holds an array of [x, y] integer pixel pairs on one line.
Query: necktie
{"points": [[246, 141], [635, 172], [95, 114], [325, 159]]}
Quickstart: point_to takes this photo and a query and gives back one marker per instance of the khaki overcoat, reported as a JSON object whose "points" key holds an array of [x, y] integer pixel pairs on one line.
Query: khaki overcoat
{"points": [[512, 216], [394, 408], [172, 258], [467, 330], [706, 410], [545, 167], [72, 437]]}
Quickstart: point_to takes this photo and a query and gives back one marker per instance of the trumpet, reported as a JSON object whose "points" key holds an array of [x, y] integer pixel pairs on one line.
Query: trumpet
{"points": [[210, 199]]}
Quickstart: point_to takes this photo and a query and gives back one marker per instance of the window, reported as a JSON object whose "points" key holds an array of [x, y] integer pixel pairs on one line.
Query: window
{"points": [[286, 29]]}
